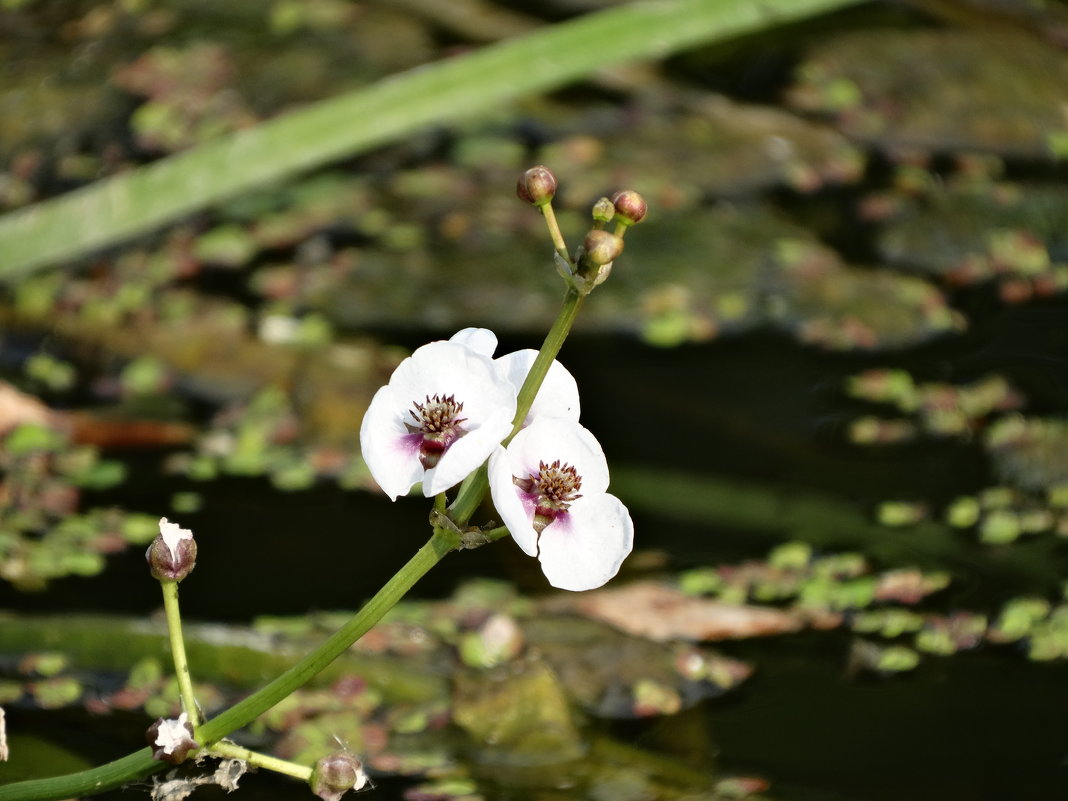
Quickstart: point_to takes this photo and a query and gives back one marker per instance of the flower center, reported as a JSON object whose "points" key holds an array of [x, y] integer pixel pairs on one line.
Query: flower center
{"points": [[553, 488], [439, 424]]}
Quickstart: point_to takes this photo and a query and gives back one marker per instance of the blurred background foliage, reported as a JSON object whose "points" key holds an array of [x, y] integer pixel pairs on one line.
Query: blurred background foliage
{"points": [[829, 371]]}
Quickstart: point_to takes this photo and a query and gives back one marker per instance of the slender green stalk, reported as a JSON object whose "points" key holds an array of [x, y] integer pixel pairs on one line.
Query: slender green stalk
{"points": [[181, 662], [554, 231], [472, 491], [140, 764], [231, 751], [243, 713], [495, 534], [550, 348], [137, 201]]}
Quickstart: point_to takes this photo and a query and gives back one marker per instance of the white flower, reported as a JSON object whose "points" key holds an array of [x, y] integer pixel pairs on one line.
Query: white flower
{"points": [[549, 487], [444, 410]]}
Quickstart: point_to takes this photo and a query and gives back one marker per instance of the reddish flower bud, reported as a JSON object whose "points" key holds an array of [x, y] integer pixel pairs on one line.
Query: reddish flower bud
{"points": [[630, 206], [537, 185], [335, 774], [171, 740], [173, 554]]}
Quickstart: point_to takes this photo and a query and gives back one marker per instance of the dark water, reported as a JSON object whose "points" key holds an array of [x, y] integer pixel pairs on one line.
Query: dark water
{"points": [[980, 726]]}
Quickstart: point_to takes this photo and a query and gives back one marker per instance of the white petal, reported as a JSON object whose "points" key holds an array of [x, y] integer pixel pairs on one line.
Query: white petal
{"points": [[506, 500], [558, 395], [390, 453], [444, 369], [172, 733], [451, 369], [172, 534], [480, 340], [584, 548], [547, 439]]}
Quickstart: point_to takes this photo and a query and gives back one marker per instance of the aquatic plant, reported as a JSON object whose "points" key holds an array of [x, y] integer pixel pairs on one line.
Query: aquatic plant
{"points": [[448, 411]]}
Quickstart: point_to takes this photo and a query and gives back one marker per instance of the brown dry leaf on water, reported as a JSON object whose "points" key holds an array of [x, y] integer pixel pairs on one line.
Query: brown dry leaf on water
{"points": [[662, 612], [17, 408]]}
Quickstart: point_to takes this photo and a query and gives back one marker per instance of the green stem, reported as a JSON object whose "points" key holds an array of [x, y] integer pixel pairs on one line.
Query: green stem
{"points": [[554, 231], [141, 764], [473, 490], [231, 751], [495, 534], [550, 348], [181, 662]]}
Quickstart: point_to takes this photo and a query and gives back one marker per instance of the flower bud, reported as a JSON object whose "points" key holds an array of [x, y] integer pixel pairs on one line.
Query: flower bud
{"points": [[603, 211], [630, 206], [335, 774], [171, 740], [600, 248], [173, 554], [536, 186]]}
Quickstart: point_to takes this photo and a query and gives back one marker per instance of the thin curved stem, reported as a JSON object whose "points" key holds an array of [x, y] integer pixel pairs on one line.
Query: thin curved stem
{"points": [[229, 750], [181, 661], [550, 349], [554, 231]]}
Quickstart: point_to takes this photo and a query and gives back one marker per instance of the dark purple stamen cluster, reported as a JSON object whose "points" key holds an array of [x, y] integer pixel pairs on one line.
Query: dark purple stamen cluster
{"points": [[555, 487], [439, 424]]}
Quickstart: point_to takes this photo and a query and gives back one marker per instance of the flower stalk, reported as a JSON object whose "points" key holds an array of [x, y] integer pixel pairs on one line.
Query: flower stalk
{"points": [[228, 750], [181, 661], [554, 231]]}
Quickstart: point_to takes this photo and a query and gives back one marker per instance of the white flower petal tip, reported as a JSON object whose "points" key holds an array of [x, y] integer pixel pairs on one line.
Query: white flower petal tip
{"points": [[480, 340], [172, 534], [549, 488], [444, 410]]}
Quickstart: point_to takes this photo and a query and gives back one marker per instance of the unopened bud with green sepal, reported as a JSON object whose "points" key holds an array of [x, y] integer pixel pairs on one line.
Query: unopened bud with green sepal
{"points": [[536, 186]]}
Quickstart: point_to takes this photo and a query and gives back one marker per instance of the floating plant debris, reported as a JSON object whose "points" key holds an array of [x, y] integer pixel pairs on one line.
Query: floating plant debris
{"points": [[952, 90]]}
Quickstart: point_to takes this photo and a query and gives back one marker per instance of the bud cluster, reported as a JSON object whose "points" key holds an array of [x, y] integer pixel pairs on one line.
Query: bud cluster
{"points": [[592, 263]]}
